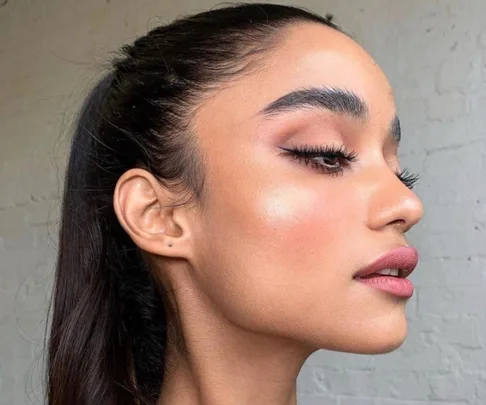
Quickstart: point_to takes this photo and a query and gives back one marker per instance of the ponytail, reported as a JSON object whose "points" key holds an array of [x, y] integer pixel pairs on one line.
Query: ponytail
{"points": [[108, 328]]}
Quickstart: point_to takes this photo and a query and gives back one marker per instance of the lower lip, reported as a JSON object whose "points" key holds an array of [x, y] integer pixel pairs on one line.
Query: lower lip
{"points": [[399, 287]]}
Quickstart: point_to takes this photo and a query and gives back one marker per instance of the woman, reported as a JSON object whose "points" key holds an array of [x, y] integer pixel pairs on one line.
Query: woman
{"points": [[233, 203]]}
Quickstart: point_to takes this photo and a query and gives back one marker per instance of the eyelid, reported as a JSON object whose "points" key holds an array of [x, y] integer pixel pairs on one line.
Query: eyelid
{"points": [[306, 155], [338, 150]]}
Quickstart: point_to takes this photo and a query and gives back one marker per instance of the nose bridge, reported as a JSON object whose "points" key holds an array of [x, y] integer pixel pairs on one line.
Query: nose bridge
{"points": [[392, 203]]}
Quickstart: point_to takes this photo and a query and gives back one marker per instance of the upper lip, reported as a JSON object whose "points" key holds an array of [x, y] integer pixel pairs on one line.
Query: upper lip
{"points": [[404, 258]]}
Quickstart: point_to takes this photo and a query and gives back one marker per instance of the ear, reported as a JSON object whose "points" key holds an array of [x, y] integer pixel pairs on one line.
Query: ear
{"points": [[144, 208]]}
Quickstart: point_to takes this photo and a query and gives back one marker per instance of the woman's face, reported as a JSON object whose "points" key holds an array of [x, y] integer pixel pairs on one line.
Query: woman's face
{"points": [[280, 241]]}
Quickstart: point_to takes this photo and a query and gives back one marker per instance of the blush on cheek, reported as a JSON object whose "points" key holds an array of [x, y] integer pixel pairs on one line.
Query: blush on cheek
{"points": [[295, 219]]}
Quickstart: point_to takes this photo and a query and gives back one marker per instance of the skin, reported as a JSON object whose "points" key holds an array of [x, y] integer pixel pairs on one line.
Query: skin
{"points": [[260, 271]]}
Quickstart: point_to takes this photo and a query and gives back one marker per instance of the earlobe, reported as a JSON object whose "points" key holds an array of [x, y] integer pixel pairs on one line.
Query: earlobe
{"points": [[145, 211]]}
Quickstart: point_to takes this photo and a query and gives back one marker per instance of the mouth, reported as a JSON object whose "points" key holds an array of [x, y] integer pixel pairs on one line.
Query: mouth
{"points": [[399, 273], [390, 271]]}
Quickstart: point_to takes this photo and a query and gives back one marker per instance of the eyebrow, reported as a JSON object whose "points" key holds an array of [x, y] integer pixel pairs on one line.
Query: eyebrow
{"points": [[340, 101], [328, 98]]}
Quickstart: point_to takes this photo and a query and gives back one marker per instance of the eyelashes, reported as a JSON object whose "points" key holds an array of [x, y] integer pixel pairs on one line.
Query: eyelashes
{"points": [[332, 160], [408, 178]]}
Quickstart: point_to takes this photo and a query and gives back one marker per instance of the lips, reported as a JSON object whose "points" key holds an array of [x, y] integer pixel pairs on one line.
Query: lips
{"points": [[404, 259]]}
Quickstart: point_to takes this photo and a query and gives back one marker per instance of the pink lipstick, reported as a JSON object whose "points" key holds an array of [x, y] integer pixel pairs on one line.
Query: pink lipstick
{"points": [[388, 273]]}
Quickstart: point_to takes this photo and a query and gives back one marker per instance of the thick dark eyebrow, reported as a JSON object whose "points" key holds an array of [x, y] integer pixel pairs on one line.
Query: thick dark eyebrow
{"points": [[337, 100]]}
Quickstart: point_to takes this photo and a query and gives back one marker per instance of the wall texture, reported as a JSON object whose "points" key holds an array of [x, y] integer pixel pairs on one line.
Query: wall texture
{"points": [[434, 52]]}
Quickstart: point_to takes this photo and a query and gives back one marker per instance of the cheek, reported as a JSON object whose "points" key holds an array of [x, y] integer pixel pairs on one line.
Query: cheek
{"points": [[303, 225], [289, 254], [282, 244]]}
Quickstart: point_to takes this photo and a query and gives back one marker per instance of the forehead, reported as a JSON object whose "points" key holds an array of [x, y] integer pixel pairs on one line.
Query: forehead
{"points": [[308, 55]]}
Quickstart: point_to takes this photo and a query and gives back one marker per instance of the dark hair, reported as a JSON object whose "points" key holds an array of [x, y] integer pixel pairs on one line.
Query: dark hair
{"points": [[109, 323]]}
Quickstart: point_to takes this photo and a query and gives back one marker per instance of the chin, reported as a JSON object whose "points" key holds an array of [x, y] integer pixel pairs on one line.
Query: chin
{"points": [[373, 344], [380, 339], [378, 336], [383, 345]]}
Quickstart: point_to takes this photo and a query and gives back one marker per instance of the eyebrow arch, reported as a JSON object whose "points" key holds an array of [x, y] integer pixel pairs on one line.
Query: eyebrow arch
{"points": [[333, 99], [337, 100]]}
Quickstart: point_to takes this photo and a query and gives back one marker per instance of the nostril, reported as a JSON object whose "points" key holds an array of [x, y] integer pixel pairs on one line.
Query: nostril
{"points": [[400, 224]]}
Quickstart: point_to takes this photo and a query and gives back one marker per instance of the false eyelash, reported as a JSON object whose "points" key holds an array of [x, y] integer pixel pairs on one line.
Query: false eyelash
{"points": [[306, 154], [408, 178]]}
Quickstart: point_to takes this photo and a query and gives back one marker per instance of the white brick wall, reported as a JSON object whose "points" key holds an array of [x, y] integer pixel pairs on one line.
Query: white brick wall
{"points": [[434, 53]]}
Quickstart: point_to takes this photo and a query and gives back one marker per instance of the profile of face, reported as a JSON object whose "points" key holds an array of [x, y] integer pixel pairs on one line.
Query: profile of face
{"points": [[273, 246]]}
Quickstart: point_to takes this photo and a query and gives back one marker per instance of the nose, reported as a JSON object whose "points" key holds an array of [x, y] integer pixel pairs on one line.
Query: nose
{"points": [[393, 204]]}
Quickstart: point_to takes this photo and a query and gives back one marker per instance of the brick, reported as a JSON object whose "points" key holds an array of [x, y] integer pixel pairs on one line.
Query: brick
{"points": [[450, 272], [388, 401], [357, 401], [452, 387], [452, 300], [316, 400]]}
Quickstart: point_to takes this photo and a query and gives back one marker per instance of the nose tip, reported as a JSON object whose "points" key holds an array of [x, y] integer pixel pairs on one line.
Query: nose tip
{"points": [[396, 206], [412, 211]]}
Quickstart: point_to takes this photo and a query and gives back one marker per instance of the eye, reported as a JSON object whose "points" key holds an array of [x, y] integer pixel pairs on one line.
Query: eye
{"points": [[331, 159], [328, 159]]}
